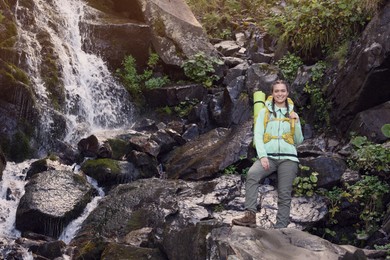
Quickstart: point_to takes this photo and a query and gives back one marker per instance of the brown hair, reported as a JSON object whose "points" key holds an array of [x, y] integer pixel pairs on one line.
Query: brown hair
{"points": [[280, 81]]}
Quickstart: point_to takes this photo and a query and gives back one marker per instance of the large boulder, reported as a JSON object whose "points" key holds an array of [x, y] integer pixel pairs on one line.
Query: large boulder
{"points": [[365, 81], [125, 27], [246, 243], [52, 199], [176, 34], [212, 152], [174, 218], [369, 122]]}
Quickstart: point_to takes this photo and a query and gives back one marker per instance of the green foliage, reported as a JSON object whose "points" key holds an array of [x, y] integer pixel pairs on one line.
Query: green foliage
{"points": [[231, 169], [384, 247], [185, 107], [20, 148], [305, 186], [134, 82], [289, 65], [221, 17], [369, 156], [386, 130], [309, 24], [369, 193], [200, 68], [318, 102], [334, 198], [1, 17], [219, 208]]}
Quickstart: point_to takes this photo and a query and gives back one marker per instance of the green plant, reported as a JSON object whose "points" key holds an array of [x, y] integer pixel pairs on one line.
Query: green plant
{"points": [[289, 65], [384, 247], [200, 68], [305, 186], [334, 198], [369, 193], [318, 102], [185, 107], [218, 208], [310, 24], [231, 169], [368, 156], [386, 130], [134, 82]]}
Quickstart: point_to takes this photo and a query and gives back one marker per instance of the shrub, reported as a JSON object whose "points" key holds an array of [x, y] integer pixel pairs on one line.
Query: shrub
{"points": [[369, 193], [289, 65], [134, 82], [308, 24], [368, 156], [318, 102], [200, 68]]}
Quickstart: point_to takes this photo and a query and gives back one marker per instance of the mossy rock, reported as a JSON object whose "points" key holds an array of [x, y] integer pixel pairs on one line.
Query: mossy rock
{"points": [[90, 249], [104, 171], [119, 148], [118, 251], [37, 167], [8, 29], [20, 148]]}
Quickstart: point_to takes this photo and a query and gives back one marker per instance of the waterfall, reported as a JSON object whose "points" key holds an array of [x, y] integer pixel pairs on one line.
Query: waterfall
{"points": [[93, 100], [69, 232], [11, 190]]}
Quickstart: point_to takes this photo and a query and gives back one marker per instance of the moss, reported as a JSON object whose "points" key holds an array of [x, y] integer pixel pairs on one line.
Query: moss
{"points": [[137, 220], [105, 6], [14, 74], [20, 148], [117, 251], [159, 27], [91, 249], [119, 148], [93, 165], [8, 36]]}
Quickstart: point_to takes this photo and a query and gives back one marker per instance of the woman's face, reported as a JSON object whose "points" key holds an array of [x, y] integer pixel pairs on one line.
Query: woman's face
{"points": [[280, 94]]}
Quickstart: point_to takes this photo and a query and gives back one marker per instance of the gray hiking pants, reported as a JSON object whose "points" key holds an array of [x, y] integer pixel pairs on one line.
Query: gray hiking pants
{"points": [[286, 172]]}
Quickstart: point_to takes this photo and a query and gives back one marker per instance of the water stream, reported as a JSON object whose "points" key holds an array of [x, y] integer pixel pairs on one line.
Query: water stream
{"points": [[94, 101]]}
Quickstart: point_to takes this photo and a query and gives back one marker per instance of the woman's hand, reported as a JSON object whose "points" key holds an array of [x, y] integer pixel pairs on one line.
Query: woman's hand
{"points": [[265, 163], [294, 115]]}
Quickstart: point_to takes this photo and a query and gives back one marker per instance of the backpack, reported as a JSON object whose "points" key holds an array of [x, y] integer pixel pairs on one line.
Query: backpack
{"points": [[288, 137]]}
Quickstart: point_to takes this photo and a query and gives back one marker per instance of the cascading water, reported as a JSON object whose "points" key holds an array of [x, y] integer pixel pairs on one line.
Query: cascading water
{"points": [[93, 99]]}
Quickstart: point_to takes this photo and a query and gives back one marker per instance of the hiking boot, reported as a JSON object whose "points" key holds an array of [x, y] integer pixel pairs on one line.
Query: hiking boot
{"points": [[249, 220]]}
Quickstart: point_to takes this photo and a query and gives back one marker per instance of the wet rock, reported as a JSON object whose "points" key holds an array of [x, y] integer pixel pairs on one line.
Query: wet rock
{"points": [[143, 143], [108, 172], [88, 147], [52, 199], [145, 163]]}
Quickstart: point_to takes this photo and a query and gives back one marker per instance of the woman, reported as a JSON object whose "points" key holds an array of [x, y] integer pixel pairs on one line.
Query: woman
{"points": [[277, 131]]}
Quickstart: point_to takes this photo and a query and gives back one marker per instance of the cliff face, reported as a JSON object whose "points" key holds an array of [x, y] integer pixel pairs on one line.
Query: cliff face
{"points": [[364, 81]]}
